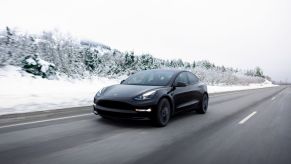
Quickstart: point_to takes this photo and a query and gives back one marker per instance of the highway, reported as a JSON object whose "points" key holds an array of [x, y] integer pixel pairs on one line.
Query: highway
{"points": [[252, 127]]}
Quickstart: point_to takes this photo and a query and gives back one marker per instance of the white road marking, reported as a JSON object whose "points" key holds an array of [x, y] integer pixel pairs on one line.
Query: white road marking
{"points": [[273, 98], [246, 118], [48, 120]]}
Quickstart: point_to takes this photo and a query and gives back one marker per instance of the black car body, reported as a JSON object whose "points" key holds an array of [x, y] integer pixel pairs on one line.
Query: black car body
{"points": [[156, 94]]}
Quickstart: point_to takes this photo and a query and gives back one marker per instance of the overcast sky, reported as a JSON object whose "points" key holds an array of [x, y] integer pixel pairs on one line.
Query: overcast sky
{"points": [[241, 34]]}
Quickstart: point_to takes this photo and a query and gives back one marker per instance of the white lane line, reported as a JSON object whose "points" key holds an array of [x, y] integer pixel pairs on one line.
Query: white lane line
{"points": [[48, 120], [273, 98], [246, 118]]}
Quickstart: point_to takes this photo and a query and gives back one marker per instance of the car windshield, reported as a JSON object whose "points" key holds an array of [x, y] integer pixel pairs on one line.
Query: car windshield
{"points": [[150, 77]]}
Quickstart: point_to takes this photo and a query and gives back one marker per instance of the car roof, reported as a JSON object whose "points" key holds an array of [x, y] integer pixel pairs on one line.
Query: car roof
{"points": [[167, 69]]}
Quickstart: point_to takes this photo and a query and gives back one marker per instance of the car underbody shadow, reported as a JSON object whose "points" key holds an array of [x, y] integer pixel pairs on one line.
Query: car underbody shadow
{"points": [[142, 123], [126, 123]]}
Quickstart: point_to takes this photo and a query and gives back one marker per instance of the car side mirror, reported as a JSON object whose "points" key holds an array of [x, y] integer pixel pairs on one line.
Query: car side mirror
{"points": [[180, 84], [122, 81]]}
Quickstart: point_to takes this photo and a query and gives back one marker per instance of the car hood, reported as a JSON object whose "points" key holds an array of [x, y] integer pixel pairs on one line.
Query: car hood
{"points": [[121, 90]]}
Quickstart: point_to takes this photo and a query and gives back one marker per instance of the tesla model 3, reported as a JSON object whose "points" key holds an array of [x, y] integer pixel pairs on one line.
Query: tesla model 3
{"points": [[156, 94]]}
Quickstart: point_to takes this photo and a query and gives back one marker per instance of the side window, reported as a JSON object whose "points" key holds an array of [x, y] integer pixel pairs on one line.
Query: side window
{"points": [[182, 77], [192, 78]]}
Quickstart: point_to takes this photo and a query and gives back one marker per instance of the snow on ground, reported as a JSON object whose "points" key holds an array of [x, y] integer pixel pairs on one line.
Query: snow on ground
{"points": [[20, 92], [216, 89]]}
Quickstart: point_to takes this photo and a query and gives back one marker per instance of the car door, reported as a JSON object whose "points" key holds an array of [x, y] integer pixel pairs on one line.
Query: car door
{"points": [[195, 90], [182, 94]]}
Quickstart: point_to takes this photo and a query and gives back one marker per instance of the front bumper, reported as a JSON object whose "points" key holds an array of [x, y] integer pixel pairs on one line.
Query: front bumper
{"points": [[136, 113], [123, 107]]}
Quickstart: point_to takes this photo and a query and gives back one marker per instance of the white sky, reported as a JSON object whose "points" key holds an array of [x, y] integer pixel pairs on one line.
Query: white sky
{"points": [[241, 34]]}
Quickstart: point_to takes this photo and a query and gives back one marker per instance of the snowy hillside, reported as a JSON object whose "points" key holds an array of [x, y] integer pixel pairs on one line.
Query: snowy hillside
{"points": [[68, 57]]}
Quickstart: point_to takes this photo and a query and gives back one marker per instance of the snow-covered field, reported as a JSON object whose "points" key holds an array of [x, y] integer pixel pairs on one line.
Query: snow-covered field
{"points": [[20, 92], [218, 88]]}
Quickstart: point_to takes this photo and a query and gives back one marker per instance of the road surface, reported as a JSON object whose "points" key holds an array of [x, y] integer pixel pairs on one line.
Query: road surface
{"points": [[251, 126]]}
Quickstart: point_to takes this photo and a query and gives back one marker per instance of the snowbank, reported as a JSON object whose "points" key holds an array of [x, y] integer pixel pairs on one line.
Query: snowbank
{"points": [[21, 92], [223, 88]]}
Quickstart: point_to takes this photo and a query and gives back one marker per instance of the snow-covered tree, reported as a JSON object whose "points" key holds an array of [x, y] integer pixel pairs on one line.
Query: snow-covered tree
{"points": [[36, 66], [259, 72]]}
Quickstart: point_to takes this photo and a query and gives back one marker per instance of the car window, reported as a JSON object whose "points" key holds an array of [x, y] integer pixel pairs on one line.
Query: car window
{"points": [[182, 77], [150, 77], [192, 78]]}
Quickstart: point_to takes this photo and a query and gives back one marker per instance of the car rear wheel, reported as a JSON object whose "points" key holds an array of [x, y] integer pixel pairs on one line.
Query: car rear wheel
{"points": [[203, 105], [162, 114]]}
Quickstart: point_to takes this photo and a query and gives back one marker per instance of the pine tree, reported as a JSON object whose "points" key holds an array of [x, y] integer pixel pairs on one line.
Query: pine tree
{"points": [[193, 64], [259, 72]]}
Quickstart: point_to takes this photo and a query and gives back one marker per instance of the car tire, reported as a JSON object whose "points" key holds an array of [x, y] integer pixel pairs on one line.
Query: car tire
{"points": [[203, 105], [162, 114]]}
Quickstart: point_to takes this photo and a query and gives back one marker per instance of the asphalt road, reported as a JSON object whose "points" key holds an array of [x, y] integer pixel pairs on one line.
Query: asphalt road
{"points": [[251, 126]]}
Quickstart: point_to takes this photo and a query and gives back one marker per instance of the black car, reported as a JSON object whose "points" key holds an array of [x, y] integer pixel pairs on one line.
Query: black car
{"points": [[156, 94]]}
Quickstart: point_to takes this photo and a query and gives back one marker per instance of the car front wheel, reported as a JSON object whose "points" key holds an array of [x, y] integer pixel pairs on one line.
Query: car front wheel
{"points": [[162, 114]]}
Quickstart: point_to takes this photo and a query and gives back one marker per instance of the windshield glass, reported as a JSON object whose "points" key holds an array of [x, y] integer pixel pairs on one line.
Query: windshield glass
{"points": [[150, 77]]}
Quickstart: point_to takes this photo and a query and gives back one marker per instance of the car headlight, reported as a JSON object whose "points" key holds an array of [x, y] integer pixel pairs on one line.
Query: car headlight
{"points": [[99, 93], [146, 96]]}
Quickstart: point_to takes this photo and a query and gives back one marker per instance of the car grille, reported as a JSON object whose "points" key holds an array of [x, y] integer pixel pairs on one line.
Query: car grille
{"points": [[115, 104]]}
